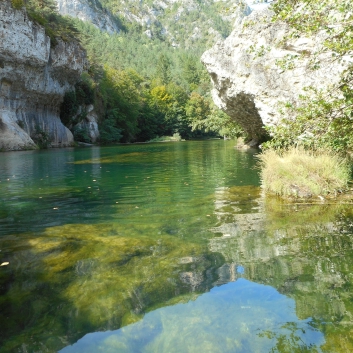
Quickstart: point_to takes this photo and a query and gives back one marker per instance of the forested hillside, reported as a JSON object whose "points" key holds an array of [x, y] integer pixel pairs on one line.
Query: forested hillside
{"points": [[148, 82], [145, 80]]}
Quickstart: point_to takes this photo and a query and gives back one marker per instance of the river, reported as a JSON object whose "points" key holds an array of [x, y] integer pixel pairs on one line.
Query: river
{"points": [[167, 247]]}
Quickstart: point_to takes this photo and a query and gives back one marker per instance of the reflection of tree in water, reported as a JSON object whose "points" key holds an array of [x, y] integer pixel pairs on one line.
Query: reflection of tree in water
{"points": [[72, 269], [70, 279], [288, 339], [303, 250]]}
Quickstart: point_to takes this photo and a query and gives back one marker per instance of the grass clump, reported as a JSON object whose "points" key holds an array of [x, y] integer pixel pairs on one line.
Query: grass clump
{"points": [[300, 173]]}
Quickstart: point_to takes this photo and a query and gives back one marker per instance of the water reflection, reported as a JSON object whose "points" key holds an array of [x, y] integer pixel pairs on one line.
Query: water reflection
{"points": [[135, 238], [303, 250], [236, 317]]}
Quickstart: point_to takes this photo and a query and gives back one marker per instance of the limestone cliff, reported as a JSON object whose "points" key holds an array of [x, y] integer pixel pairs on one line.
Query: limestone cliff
{"points": [[248, 83], [34, 75], [91, 11], [181, 23]]}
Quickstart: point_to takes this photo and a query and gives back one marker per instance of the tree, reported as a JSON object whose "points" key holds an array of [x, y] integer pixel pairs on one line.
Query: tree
{"points": [[219, 122], [163, 69], [197, 108], [122, 101], [161, 98], [191, 71]]}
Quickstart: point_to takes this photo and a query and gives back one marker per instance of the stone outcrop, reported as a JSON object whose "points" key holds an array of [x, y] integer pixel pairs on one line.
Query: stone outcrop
{"points": [[90, 11], [34, 75], [158, 18], [89, 124], [248, 83]]}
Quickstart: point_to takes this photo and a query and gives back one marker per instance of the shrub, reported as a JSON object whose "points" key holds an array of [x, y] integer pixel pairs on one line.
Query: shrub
{"points": [[17, 4], [109, 133], [41, 138], [68, 108], [301, 173], [84, 92], [81, 134]]}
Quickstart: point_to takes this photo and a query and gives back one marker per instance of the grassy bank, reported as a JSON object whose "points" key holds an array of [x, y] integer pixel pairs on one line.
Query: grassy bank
{"points": [[303, 174]]}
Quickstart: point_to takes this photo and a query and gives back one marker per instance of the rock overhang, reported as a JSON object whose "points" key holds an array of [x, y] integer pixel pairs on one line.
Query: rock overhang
{"points": [[248, 82]]}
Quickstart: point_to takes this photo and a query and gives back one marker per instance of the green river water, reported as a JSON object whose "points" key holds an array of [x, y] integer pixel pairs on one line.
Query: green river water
{"points": [[167, 247]]}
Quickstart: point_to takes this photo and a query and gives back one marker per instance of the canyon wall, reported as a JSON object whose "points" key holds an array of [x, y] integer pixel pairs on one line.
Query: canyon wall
{"points": [[250, 84], [34, 75]]}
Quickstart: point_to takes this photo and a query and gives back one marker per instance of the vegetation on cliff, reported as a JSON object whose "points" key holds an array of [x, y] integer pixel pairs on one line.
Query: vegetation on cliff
{"points": [[45, 13], [322, 117], [142, 87], [321, 120]]}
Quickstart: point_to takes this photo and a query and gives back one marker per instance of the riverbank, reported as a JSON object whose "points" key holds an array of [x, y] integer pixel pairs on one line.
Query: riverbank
{"points": [[304, 174]]}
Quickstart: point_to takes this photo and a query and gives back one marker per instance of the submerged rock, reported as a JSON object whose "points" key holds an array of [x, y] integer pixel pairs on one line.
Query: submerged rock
{"points": [[34, 76], [248, 82]]}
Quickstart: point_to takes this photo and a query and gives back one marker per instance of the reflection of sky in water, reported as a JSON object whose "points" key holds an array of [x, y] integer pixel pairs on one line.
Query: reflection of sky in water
{"points": [[240, 316], [240, 269]]}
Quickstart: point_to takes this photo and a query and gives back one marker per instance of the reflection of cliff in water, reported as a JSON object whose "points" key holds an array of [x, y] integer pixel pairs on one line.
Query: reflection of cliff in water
{"points": [[74, 279], [303, 250]]}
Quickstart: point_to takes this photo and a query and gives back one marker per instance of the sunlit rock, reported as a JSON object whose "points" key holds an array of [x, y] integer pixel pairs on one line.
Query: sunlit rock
{"points": [[34, 76], [91, 11], [248, 82]]}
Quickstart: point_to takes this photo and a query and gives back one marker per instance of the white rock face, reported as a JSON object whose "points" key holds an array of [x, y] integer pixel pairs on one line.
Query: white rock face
{"points": [[247, 82], [33, 79], [89, 11]]}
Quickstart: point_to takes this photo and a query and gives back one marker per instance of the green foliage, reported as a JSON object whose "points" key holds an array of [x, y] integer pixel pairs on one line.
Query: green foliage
{"points": [[161, 98], [191, 73], [219, 122], [69, 108], [81, 134], [143, 98], [151, 59], [45, 13], [41, 138], [197, 108], [163, 69], [109, 133], [82, 95], [85, 91], [17, 4], [322, 118], [121, 100], [318, 120]]}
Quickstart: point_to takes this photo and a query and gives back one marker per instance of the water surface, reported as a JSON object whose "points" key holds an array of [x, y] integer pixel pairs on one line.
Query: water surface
{"points": [[166, 247]]}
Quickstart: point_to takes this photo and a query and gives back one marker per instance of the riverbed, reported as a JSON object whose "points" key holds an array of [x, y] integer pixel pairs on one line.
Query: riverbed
{"points": [[167, 247]]}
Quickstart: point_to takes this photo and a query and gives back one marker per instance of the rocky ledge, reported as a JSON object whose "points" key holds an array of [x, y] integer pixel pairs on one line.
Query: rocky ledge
{"points": [[34, 75], [248, 82]]}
